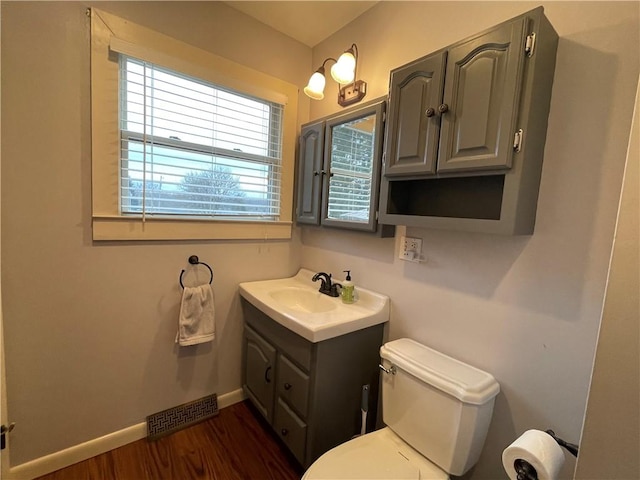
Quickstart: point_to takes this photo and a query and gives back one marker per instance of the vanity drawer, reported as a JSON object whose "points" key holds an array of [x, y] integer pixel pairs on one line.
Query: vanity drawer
{"points": [[291, 430], [293, 385]]}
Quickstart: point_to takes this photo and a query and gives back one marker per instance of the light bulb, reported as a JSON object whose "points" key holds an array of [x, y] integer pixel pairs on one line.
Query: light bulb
{"points": [[315, 87], [343, 71]]}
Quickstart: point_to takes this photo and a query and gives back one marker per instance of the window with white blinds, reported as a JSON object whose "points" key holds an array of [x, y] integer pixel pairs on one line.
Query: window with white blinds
{"points": [[191, 148], [352, 154]]}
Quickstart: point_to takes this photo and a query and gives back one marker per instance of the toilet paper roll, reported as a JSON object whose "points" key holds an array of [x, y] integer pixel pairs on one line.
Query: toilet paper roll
{"points": [[537, 448]]}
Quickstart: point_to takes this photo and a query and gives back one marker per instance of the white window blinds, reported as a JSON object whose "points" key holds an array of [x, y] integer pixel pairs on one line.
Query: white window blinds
{"points": [[191, 148]]}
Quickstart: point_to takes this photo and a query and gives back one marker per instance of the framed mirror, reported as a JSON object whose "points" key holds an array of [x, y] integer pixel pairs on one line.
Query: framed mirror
{"points": [[352, 165]]}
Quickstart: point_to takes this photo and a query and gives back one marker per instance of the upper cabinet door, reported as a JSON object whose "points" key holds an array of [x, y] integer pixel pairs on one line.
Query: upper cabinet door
{"points": [[481, 98], [310, 158], [413, 125]]}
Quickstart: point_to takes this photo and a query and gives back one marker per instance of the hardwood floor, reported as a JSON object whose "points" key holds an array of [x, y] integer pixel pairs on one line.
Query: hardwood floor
{"points": [[236, 444]]}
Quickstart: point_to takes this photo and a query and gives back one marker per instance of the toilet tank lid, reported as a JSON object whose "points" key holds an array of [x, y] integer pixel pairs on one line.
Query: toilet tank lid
{"points": [[464, 382]]}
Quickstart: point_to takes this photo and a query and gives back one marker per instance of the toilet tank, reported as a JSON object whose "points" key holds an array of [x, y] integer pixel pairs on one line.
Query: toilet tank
{"points": [[440, 406]]}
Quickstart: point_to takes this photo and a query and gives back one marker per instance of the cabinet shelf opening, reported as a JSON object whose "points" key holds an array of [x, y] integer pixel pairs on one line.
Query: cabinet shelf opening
{"points": [[478, 197]]}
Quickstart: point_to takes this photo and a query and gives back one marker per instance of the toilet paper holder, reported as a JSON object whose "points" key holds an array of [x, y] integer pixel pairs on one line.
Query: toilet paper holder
{"points": [[572, 448], [526, 471]]}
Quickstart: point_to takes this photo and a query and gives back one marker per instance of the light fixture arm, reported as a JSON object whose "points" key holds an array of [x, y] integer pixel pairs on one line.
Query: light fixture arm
{"points": [[354, 50], [320, 69]]}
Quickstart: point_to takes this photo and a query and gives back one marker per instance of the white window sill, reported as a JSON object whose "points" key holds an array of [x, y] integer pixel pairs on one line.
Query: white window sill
{"points": [[132, 228]]}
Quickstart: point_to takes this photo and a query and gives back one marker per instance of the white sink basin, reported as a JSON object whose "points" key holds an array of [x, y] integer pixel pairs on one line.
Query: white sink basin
{"points": [[296, 304], [303, 300]]}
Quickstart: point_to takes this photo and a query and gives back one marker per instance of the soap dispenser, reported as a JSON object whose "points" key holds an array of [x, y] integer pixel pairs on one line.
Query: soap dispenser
{"points": [[347, 293]]}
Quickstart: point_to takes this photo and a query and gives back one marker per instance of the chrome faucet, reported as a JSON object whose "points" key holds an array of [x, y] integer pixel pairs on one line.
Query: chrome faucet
{"points": [[326, 286]]}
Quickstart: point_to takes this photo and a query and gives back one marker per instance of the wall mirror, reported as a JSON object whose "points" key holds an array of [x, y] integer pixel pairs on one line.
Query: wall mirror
{"points": [[352, 152]]}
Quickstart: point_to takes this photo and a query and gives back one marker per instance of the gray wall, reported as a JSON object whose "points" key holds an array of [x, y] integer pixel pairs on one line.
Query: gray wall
{"points": [[611, 432], [89, 327]]}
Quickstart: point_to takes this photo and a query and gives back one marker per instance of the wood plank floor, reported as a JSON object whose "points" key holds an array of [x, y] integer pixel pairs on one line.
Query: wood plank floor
{"points": [[235, 444]]}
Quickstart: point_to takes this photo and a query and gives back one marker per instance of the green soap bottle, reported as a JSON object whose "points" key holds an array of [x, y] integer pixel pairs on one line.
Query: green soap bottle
{"points": [[347, 293]]}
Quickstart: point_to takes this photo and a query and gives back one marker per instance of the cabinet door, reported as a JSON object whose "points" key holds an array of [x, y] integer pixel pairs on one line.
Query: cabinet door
{"points": [[260, 358], [309, 173], [482, 90], [413, 126]]}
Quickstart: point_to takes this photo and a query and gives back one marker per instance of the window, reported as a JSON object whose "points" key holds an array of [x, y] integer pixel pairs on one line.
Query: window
{"points": [[192, 148], [186, 145]]}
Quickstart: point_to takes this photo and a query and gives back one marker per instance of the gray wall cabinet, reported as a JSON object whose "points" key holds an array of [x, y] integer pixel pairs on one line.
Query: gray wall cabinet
{"points": [[338, 171], [466, 131], [310, 393]]}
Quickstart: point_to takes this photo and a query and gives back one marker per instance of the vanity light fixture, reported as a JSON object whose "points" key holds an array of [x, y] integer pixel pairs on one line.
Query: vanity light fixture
{"points": [[344, 73]]}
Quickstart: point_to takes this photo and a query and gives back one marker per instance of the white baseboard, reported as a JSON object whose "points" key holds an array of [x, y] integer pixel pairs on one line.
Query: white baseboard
{"points": [[83, 451], [231, 398]]}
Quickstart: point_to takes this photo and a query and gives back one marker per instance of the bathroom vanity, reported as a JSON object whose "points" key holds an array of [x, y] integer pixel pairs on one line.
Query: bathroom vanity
{"points": [[309, 389]]}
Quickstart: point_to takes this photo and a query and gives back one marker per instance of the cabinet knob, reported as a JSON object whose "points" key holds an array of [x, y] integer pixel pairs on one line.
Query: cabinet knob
{"points": [[316, 173], [443, 108], [430, 112], [287, 386], [284, 432]]}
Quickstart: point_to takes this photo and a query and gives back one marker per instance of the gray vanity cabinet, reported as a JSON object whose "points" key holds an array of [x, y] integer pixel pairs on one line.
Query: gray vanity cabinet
{"points": [[466, 131], [310, 393]]}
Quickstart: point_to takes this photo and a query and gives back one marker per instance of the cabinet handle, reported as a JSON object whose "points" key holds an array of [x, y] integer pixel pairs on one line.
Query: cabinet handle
{"points": [[287, 386], [323, 172], [316, 173], [443, 108], [266, 374], [284, 432], [430, 112]]}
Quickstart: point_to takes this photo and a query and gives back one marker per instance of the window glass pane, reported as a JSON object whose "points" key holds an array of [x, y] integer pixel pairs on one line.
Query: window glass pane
{"points": [[191, 148]]}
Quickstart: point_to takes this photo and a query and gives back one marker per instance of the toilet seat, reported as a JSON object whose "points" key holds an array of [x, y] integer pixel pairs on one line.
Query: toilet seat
{"points": [[380, 455]]}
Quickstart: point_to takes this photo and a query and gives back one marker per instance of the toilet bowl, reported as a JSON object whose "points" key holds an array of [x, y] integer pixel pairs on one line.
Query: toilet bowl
{"points": [[437, 412], [380, 455]]}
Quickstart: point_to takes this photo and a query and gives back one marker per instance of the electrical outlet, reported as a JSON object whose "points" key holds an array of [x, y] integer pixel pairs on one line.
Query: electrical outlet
{"points": [[410, 249]]}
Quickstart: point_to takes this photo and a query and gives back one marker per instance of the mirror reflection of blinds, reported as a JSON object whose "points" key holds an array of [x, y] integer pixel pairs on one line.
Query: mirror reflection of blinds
{"points": [[351, 172], [191, 148]]}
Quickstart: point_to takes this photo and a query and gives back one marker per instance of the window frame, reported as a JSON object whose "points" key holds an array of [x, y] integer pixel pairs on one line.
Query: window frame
{"points": [[112, 36]]}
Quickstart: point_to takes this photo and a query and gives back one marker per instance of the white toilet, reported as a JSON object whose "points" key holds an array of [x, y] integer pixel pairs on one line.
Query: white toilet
{"points": [[437, 411]]}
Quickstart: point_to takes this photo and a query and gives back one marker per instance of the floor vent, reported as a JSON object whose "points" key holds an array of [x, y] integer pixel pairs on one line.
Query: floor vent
{"points": [[177, 418]]}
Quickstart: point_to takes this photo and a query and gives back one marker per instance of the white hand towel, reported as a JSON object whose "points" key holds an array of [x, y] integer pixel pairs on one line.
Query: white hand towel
{"points": [[197, 316]]}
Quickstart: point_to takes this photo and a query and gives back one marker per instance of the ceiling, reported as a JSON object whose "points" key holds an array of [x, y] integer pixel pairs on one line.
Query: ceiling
{"points": [[308, 22]]}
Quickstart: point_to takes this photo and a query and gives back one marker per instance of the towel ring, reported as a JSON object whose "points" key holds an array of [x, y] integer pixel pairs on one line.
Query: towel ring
{"points": [[193, 260]]}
